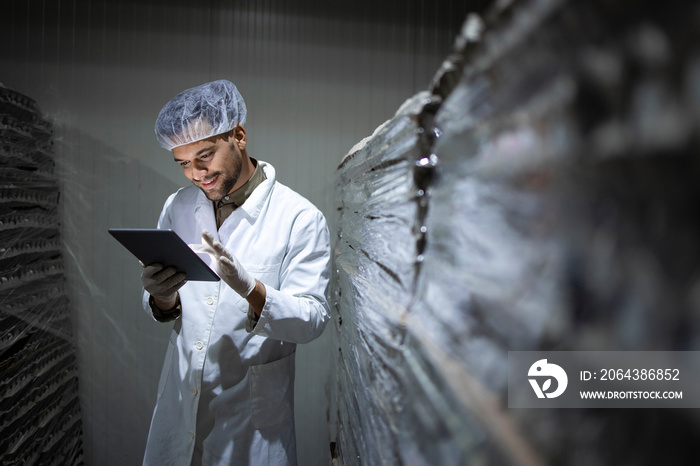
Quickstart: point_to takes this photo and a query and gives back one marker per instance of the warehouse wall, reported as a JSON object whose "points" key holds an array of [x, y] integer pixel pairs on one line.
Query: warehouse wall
{"points": [[541, 195], [316, 77]]}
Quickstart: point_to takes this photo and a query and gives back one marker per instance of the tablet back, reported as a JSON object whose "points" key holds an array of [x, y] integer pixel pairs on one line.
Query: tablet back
{"points": [[165, 247]]}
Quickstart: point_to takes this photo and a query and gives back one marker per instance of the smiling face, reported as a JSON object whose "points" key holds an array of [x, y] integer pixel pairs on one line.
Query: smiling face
{"points": [[218, 165]]}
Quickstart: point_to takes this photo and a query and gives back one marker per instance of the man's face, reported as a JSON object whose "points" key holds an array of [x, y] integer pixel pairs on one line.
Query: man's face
{"points": [[214, 165]]}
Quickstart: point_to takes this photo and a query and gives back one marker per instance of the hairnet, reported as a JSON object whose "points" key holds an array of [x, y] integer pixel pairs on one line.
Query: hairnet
{"points": [[199, 113]]}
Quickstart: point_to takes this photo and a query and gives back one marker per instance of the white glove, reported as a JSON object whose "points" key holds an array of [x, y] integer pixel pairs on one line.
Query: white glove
{"points": [[162, 283], [226, 265]]}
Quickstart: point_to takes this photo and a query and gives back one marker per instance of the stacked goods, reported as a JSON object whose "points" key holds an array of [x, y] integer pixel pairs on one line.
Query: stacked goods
{"points": [[539, 196], [40, 419]]}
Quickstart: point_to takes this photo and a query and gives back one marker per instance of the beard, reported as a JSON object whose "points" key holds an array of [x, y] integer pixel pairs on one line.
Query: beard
{"points": [[228, 181]]}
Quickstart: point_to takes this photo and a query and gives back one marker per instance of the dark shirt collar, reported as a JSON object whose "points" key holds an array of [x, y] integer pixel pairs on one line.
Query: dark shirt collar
{"points": [[230, 202]]}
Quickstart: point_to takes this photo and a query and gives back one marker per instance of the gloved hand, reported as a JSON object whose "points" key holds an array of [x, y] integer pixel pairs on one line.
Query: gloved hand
{"points": [[162, 283], [226, 265]]}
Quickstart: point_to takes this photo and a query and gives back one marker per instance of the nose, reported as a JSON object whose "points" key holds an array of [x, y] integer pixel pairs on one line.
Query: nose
{"points": [[199, 169]]}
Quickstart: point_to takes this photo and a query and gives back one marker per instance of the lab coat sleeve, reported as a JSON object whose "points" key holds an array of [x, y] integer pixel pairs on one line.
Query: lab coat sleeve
{"points": [[163, 223], [298, 311]]}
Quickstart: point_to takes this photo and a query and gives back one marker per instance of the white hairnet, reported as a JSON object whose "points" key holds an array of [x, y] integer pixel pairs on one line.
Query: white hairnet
{"points": [[199, 113]]}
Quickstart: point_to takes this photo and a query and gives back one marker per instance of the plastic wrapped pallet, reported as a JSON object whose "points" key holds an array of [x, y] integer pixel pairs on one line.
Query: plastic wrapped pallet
{"points": [[40, 419], [545, 206], [376, 253]]}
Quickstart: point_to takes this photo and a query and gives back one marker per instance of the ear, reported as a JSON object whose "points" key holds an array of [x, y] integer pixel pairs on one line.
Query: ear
{"points": [[240, 137]]}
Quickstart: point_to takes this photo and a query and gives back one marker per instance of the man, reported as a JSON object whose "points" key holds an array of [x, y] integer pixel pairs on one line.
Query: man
{"points": [[226, 390]]}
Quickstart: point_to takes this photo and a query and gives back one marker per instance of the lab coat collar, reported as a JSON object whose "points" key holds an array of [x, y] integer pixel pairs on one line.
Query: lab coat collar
{"points": [[258, 198], [204, 212]]}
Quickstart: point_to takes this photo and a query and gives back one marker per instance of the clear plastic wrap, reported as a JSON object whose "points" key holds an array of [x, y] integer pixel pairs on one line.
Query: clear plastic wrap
{"points": [[375, 259], [40, 413], [544, 205]]}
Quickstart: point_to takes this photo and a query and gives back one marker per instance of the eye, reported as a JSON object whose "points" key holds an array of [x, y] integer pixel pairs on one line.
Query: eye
{"points": [[185, 164], [205, 156]]}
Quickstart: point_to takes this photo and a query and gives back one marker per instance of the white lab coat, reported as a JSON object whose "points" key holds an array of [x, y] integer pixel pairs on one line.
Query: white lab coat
{"points": [[223, 391]]}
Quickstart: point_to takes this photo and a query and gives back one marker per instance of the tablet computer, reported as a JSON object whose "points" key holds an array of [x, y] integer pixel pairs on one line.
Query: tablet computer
{"points": [[165, 247]]}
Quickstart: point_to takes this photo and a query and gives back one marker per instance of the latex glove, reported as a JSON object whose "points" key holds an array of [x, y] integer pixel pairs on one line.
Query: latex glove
{"points": [[226, 265], [162, 283]]}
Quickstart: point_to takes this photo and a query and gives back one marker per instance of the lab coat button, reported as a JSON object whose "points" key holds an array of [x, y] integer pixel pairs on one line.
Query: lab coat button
{"points": [[191, 434], [194, 391], [199, 345], [210, 300]]}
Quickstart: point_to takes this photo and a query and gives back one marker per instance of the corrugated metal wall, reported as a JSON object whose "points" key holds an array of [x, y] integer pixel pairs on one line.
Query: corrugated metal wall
{"points": [[317, 77]]}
